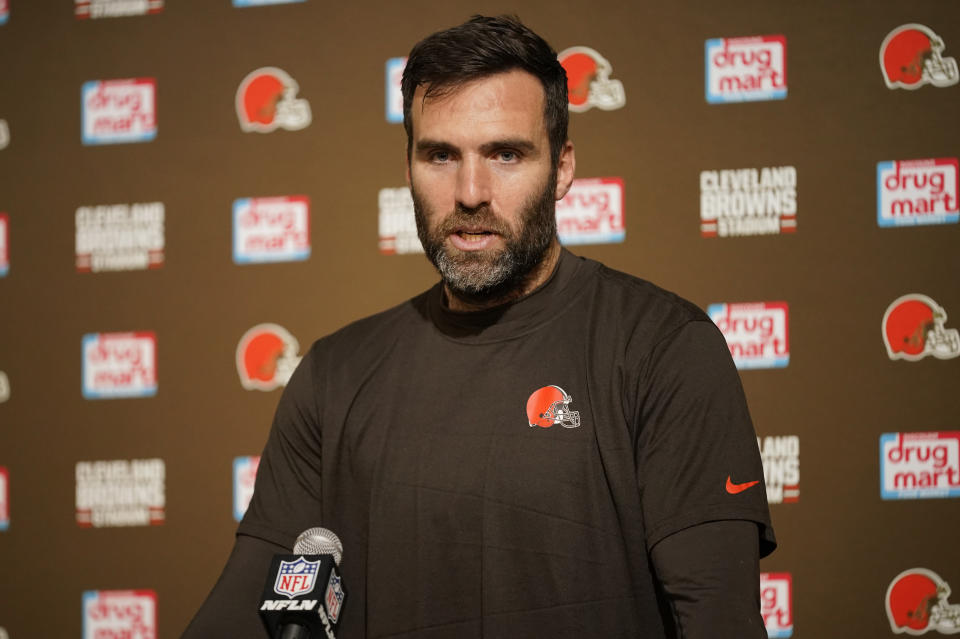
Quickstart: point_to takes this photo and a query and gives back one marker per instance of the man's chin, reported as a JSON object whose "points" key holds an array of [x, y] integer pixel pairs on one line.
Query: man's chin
{"points": [[474, 273]]}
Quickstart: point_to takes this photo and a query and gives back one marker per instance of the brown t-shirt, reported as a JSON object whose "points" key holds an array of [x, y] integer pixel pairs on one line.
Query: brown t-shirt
{"points": [[409, 435]]}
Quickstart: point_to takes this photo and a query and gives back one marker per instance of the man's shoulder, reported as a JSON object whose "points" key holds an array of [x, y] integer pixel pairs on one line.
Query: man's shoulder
{"points": [[395, 319], [647, 320], [377, 332], [642, 302]]}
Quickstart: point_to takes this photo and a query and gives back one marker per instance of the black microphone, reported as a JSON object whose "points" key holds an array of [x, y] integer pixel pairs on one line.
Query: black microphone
{"points": [[304, 594]]}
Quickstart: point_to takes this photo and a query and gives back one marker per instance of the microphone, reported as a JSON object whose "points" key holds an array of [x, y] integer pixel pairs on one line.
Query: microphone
{"points": [[312, 587]]}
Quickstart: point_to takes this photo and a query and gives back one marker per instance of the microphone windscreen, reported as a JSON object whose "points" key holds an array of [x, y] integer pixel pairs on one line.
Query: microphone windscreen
{"points": [[319, 541]]}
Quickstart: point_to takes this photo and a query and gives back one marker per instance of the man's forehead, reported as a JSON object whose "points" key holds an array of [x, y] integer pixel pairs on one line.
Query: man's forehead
{"points": [[512, 97]]}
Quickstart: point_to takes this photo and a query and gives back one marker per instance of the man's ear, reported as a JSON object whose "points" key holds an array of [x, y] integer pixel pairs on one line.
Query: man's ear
{"points": [[566, 166], [407, 164]]}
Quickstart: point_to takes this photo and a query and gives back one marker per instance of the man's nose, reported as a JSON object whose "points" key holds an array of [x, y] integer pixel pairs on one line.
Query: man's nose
{"points": [[473, 184]]}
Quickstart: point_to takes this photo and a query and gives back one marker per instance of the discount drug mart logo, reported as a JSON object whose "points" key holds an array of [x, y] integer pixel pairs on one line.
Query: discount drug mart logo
{"points": [[746, 69], [117, 365], [271, 229], [776, 603], [117, 111], [4, 499], [751, 201], [920, 465], [131, 614], [756, 333], [395, 68], [913, 192], [4, 244], [592, 212], [244, 478]]}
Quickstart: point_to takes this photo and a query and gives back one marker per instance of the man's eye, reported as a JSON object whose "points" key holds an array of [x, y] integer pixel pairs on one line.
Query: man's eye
{"points": [[440, 157], [507, 156]]}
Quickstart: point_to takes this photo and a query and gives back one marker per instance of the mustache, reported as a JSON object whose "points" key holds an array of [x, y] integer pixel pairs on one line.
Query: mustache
{"points": [[482, 216]]}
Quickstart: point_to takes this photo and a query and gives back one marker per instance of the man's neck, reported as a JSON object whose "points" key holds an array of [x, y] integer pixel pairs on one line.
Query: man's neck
{"points": [[537, 276]]}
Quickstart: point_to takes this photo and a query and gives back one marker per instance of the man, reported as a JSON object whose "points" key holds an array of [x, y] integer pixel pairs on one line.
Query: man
{"points": [[538, 445]]}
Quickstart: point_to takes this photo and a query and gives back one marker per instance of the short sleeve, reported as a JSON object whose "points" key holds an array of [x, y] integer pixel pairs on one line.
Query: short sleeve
{"points": [[697, 454], [287, 497]]}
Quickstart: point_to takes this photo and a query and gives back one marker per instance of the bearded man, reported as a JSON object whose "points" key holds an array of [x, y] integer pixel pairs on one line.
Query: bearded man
{"points": [[536, 446]]}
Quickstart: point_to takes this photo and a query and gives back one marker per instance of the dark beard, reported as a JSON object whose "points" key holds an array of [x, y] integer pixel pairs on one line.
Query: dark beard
{"points": [[483, 276]]}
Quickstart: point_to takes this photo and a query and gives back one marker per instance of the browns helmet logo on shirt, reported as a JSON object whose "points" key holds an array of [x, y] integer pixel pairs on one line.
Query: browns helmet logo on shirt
{"points": [[550, 405]]}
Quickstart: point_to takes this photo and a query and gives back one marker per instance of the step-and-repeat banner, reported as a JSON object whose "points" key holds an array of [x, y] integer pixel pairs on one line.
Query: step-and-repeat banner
{"points": [[191, 193]]}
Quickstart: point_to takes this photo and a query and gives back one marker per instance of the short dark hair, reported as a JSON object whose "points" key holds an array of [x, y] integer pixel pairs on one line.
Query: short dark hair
{"points": [[481, 47]]}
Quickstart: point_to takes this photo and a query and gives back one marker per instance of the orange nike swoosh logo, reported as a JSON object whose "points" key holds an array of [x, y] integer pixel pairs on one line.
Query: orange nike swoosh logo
{"points": [[733, 488]]}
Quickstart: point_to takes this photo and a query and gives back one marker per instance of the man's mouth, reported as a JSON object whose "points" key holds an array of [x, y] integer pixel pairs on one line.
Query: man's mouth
{"points": [[472, 238]]}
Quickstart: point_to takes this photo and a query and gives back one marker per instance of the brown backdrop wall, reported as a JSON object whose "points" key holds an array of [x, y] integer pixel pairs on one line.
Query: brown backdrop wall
{"points": [[838, 272]]}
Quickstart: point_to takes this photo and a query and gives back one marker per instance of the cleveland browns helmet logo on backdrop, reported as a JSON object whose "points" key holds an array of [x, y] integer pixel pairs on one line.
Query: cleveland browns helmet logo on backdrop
{"points": [[913, 327], [266, 357], [551, 405], [588, 80], [917, 603], [910, 57], [267, 100]]}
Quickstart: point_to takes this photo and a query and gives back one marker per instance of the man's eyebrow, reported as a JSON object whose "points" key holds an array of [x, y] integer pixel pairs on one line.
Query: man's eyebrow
{"points": [[519, 144], [433, 145]]}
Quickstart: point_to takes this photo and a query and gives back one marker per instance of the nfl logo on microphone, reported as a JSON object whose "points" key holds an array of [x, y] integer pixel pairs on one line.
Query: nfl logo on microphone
{"points": [[333, 600], [296, 577]]}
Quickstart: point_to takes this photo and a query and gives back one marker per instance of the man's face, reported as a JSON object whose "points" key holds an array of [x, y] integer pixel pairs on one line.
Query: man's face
{"points": [[483, 185]]}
